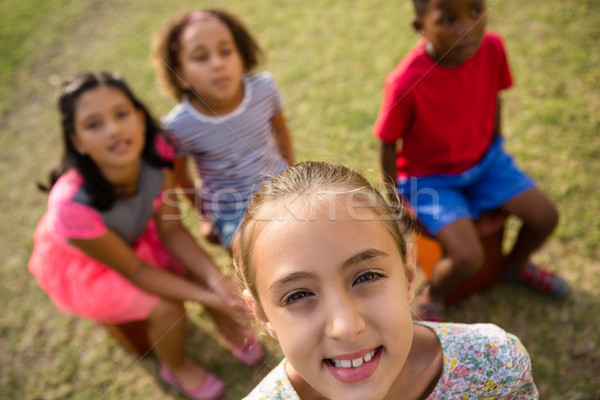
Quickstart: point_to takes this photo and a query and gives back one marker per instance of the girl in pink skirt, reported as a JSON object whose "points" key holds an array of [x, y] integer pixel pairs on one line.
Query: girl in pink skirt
{"points": [[111, 250]]}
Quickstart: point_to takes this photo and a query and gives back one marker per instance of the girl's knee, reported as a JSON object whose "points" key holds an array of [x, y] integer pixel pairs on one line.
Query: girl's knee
{"points": [[167, 310]]}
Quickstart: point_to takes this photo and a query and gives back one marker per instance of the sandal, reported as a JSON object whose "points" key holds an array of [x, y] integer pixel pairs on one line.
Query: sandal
{"points": [[211, 387], [251, 353]]}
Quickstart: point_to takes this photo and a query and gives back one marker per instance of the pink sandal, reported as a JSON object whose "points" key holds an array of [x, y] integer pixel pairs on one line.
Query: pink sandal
{"points": [[251, 353], [211, 387]]}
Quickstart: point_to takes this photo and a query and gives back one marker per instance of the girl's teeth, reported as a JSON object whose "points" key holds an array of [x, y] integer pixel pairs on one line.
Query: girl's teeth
{"points": [[354, 363]]}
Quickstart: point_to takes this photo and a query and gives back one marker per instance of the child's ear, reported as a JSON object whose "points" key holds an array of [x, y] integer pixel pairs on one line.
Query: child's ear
{"points": [[411, 267], [258, 313], [417, 24]]}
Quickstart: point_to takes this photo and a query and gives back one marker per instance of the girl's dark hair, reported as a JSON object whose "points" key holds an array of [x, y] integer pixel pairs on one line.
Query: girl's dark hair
{"points": [[167, 44], [102, 191]]}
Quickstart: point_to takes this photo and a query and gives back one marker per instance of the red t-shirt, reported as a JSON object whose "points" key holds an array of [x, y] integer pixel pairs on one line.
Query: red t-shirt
{"points": [[445, 116]]}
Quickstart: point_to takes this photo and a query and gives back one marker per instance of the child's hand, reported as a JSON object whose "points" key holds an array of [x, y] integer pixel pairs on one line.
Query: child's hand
{"points": [[231, 305], [207, 232], [236, 307], [222, 286], [240, 308], [214, 301]]}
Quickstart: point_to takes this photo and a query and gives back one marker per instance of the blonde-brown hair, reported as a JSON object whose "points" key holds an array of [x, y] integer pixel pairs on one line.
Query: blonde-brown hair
{"points": [[166, 46], [310, 182]]}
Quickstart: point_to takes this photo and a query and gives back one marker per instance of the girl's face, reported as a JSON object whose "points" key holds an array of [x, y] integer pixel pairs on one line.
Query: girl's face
{"points": [[211, 66], [454, 29], [108, 128], [335, 292]]}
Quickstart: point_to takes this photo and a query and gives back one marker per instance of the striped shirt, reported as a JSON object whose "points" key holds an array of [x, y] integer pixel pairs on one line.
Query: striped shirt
{"points": [[233, 153]]}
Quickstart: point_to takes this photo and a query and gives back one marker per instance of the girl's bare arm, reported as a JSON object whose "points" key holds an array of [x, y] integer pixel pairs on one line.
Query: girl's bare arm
{"points": [[283, 138]]}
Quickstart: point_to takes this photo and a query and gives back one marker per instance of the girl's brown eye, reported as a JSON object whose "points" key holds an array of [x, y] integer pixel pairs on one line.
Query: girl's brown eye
{"points": [[93, 125], [368, 276], [200, 57], [294, 297], [123, 114]]}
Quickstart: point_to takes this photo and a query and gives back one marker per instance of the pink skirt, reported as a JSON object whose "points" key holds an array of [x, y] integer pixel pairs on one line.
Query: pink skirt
{"points": [[80, 285]]}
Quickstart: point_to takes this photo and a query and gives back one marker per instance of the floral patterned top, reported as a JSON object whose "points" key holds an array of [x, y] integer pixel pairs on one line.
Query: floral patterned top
{"points": [[480, 361]]}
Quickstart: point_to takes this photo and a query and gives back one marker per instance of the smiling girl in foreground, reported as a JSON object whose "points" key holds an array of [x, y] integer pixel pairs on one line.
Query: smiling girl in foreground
{"points": [[328, 273], [110, 250]]}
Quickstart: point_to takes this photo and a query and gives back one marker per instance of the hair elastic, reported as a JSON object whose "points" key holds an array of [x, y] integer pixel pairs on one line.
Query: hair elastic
{"points": [[195, 16]]}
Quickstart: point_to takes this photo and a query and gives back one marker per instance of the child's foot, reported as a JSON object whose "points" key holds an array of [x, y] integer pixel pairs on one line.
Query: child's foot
{"points": [[429, 309], [242, 341], [250, 353], [539, 280], [209, 388]]}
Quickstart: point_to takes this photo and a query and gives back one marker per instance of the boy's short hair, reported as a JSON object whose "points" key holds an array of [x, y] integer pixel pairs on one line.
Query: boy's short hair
{"points": [[420, 7]]}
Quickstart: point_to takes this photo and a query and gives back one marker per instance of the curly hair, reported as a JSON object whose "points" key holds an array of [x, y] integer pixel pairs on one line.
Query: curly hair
{"points": [[420, 7], [166, 46]]}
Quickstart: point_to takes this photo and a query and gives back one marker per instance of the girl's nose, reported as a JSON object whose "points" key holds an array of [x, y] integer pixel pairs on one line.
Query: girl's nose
{"points": [[217, 61], [344, 320], [113, 128]]}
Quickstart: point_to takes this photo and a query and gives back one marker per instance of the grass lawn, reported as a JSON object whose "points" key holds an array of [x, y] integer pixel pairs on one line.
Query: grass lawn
{"points": [[330, 59]]}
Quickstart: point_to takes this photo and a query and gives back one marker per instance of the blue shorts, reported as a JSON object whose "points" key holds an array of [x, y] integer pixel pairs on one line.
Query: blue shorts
{"points": [[225, 223], [442, 199]]}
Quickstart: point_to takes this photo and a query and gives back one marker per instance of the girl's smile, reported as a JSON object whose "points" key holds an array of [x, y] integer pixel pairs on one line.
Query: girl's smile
{"points": [[221, 81], [121, 146], [354, 368]]}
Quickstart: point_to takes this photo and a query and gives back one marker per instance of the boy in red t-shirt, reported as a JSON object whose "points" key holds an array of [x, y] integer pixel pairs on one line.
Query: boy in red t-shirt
{"points": [[442, 103]]}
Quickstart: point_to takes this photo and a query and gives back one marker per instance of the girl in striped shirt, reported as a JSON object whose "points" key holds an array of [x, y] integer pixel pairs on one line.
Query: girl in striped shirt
{"points": [[228, 120]]}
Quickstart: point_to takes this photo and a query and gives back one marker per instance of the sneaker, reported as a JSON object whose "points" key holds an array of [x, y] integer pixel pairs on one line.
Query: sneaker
{"points": [[429, 309], [540, 280]]}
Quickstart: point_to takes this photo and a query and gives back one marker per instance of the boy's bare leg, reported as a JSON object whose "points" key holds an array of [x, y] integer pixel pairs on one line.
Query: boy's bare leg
{"points": [[463, 257], [539, 217]]}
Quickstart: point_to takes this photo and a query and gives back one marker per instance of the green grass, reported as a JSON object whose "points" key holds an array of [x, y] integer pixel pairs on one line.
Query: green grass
{"points": [[330, 59]]}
